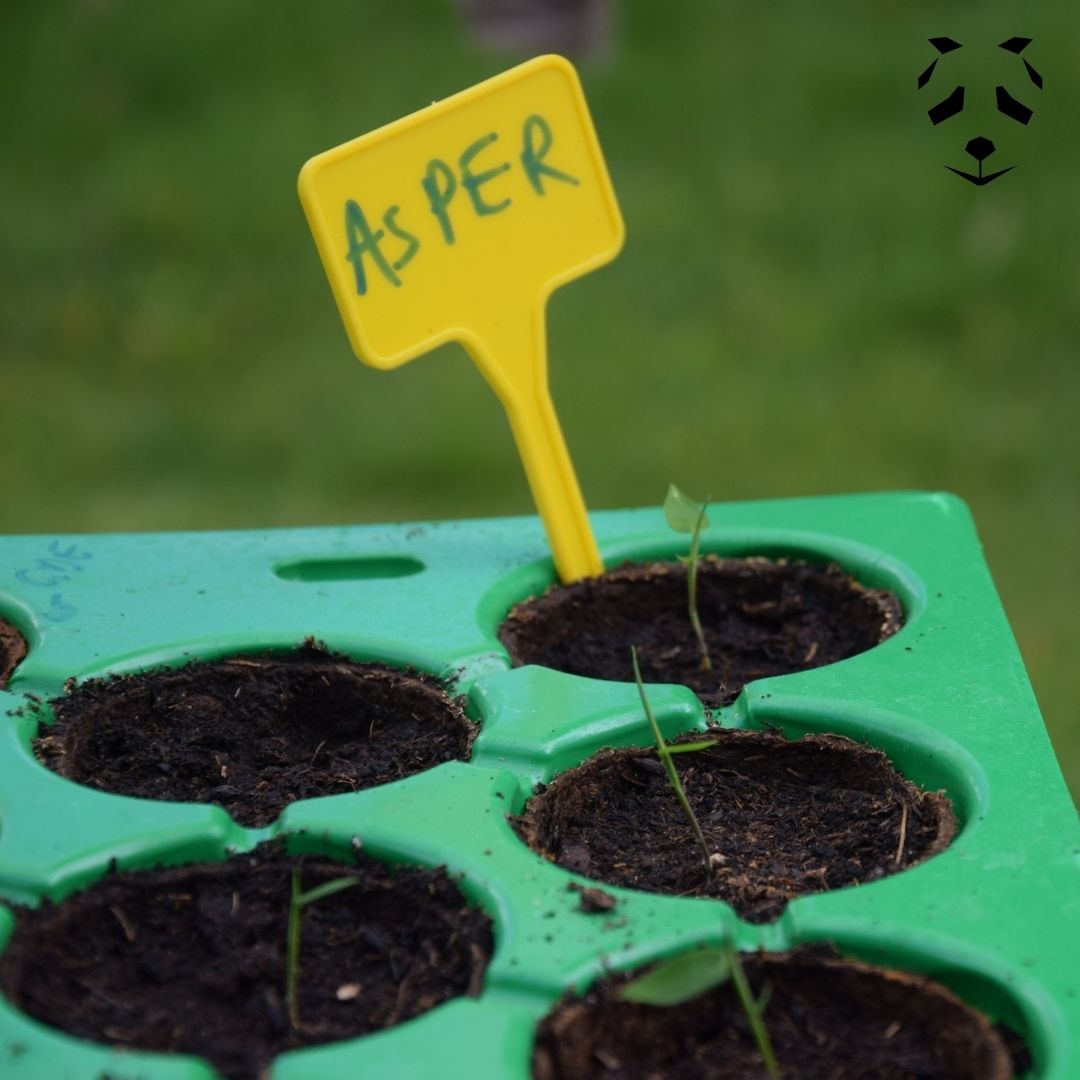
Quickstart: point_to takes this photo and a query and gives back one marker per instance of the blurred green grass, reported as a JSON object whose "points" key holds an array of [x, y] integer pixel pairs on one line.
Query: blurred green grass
{"points": [[807, 302]]}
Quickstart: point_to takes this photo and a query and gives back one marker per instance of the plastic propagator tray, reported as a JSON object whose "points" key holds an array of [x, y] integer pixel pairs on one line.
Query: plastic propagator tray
{"points": [[994, 917]]}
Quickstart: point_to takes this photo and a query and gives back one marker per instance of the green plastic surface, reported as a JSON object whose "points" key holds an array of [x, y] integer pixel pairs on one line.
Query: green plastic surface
{"points": [[947, 698]]}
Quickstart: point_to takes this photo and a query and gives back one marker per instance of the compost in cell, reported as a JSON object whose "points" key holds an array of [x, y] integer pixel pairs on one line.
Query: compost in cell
{"points": [[781, 819], [193, 959], [760, 617], [12, 651], [825, 1017], [254, 733]]}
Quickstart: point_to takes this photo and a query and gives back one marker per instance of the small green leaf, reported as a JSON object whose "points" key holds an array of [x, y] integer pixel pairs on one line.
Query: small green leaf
{"points": [[681, 511], [679, 980], [326, 889], [690, 747]]}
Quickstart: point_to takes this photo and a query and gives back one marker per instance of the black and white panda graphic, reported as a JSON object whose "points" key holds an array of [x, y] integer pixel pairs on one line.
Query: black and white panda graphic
{"points": [[961, 98]]}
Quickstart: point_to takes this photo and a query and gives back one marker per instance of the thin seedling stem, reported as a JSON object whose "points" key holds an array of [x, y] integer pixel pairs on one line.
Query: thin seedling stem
{"points": [[669, 765], [297, 902], [292, 954], [692, 576], [686, 977], [753, 1008]]}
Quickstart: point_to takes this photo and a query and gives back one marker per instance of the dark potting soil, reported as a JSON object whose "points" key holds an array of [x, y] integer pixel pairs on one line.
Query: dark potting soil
{"points": [[759, 618], [254, 733], [192, 959], [781, 819], [827, 1019], [12, 651]]}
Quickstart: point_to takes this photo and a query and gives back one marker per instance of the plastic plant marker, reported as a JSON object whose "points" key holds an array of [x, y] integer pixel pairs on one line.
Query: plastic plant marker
{"points": [[455, 224]]}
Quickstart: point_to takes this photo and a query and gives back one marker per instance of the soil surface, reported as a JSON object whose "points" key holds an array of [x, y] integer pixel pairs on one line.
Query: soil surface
{"points": [[192, 959], [254, 733], [827, 1019], [781, 819], [759, 618], [12, 651]]}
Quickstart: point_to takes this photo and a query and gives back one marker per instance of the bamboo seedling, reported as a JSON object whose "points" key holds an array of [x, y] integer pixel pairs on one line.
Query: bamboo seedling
{"points": [[685, 977], [665, 753], [299, 900], [684, 515]]}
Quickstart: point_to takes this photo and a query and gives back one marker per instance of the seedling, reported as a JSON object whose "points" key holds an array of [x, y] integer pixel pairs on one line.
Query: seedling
{"points": [[665, 754], [297, 902], [686, 977], [685, 515]]}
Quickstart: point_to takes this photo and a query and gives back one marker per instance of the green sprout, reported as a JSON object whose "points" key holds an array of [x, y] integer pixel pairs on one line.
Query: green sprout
{"points": [[685, 977], [297, 902], [665, 753], [684, 515]]}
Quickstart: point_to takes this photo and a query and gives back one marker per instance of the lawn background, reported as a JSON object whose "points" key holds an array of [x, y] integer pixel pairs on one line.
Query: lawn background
{"points": [[808, 302]]}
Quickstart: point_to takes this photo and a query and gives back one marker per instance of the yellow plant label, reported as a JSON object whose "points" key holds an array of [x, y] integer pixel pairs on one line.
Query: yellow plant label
{"points": [[455, 224]]}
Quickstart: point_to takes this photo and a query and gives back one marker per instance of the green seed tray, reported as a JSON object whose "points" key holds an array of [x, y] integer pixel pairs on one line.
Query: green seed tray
{"points": [[947, 698]]}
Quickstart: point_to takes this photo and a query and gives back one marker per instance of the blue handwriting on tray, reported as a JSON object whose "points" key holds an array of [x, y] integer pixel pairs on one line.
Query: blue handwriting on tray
{"points": [[64, 561]]}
